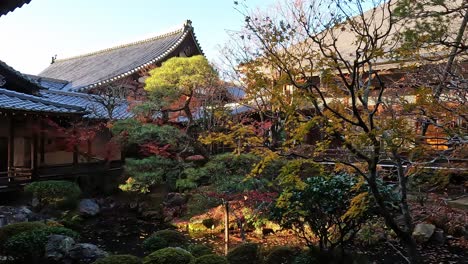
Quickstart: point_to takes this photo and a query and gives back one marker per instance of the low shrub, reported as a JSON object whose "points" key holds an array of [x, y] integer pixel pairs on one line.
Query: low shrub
{"points": [[55, 193], [154, 243], [169, 256], [172, 237], [119, 259], [208, 223], [199, 250], [30, 245], [304, 258], [281, 255], [199, 204], [244, 254], [11, 230], [211, 259]]}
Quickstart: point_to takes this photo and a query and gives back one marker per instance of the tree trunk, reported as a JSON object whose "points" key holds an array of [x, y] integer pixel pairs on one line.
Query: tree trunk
{"points": [[226, 227]]}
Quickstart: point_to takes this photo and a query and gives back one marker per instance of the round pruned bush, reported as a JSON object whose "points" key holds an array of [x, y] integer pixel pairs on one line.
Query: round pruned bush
{"points": [[199, 250], [281, 255], [172, 237], [211, 259], [11, 230], [55, 193], [244, 254], [119, 259], [154, 243], [169, 256], [30, 245]]}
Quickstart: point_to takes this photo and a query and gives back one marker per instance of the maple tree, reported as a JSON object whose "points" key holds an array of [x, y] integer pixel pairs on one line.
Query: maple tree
{"points": [[330, 53]]}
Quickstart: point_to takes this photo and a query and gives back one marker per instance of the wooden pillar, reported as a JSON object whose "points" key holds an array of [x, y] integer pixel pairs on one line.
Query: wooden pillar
{"points": [[34, 160], [75, 150], [42, 142], [11, 147], [226, 227]]}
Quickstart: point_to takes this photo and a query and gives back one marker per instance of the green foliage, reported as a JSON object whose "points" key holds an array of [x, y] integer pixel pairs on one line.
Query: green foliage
{"points": [[323, 205], [199, 250], [55, 193], [178, 76], [30, 244], [305, 258], [118, 259], [8, 231], [149, 171], [154, 243], [199, 203], [172, 237], [227, 172], [281, 255], [132, 131], [211, 259], [247, 253], [169, 256]]}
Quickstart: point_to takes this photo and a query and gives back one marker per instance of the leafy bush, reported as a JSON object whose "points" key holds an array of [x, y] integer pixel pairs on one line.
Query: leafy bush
{"points": [[281, 255], [119, 259], [169, 256], [154, 243], [332, 207], [244, 254], [172, 237], [208, 223], [199, 203], [30, 244], [11, 230], [199, 250], [227, 172], [146, 172], [211, 259], [55, 193]]}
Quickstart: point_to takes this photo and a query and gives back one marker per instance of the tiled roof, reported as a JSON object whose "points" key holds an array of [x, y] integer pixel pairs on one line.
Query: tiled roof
{"points": [[10, 5], [11, 100], [17, 81], [101, 67], [91, 103]]}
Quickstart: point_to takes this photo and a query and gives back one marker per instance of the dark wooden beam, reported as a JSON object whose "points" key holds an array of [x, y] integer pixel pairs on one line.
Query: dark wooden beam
{"points": [[11, 146]]}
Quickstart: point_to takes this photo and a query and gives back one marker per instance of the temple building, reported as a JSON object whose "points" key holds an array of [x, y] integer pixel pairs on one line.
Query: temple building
{"points": [[52, 125]]}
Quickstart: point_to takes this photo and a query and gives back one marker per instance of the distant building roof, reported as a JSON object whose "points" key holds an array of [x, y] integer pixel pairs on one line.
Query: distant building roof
{"points": [[10, 5], [91, 103], [12, 100], [105, 66]]}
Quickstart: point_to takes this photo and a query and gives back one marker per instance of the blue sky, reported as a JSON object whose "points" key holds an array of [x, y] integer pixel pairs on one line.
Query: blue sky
{"points": [[31, 35]]}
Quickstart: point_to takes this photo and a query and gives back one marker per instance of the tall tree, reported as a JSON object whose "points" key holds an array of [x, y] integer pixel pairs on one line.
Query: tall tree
{"points": [[332, 52]]}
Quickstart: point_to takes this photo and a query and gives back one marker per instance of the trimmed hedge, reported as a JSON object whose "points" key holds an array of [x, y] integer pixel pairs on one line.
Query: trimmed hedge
{"points": [[11, 230], [169, 256], [199, 250], [244, 254], [281, 255], [154, 243], [211, 259], [31, 244], [55, 193], [119, 259], [172, 237]]}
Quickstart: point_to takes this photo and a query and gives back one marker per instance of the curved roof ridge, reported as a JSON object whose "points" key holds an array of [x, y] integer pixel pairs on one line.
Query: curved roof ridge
{"points": [[124, 45]]}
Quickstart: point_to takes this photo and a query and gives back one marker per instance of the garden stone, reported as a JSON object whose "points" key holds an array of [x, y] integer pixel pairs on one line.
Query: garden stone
{"points": [[438, 237], [423, 232], [58, 246], [175, 199], [85, 253], [88, 207]]}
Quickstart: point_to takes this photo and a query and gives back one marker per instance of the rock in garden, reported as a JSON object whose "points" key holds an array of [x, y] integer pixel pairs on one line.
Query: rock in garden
{"points": [[438, 237], [423, 232], [175, 199], [88, 207], [85, 253], [58, 246]]}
